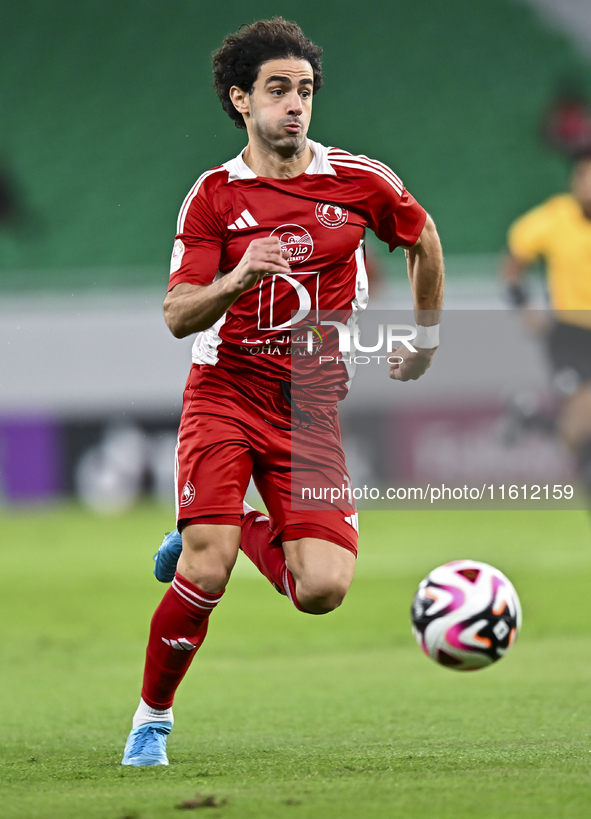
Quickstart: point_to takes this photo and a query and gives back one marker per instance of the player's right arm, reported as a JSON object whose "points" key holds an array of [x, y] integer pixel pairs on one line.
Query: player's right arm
{"points": [[190, 308]]}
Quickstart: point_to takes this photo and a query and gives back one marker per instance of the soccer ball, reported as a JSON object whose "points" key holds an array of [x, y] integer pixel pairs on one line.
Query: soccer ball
{"points": [[466, 615]]}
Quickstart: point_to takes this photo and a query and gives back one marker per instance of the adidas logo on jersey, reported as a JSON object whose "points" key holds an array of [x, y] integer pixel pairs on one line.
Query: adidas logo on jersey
{"points": [[246, 219]]}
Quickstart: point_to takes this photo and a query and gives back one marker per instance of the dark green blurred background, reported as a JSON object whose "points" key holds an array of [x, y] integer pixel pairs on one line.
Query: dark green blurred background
{"points": [[107, 116]]}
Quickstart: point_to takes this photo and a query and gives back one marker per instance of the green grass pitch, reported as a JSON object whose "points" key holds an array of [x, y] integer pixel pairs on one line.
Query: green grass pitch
{"points": [[287, 715]]}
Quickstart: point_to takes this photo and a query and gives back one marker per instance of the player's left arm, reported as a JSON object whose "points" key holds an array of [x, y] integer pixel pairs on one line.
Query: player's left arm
{"points": [[426, 274]]}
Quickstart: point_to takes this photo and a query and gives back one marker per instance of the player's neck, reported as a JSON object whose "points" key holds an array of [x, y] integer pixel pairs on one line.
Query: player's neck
{"points": [[265, 162]]}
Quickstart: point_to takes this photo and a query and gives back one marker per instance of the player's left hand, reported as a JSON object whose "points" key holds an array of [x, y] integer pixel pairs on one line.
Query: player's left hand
{"points": [[408, 366]]}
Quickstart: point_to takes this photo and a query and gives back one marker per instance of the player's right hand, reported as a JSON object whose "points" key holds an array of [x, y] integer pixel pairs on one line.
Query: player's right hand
{"points": [[263, 257]]}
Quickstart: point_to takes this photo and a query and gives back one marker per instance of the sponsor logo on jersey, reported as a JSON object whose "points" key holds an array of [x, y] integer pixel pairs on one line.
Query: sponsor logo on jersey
{"points": [[331, 216], [245, 220], [296, 239], [178, 250], [286, 300], [188, 494]]}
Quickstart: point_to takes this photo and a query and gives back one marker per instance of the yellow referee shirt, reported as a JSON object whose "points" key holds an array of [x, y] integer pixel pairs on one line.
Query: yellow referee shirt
{"points": [[558, 232]]}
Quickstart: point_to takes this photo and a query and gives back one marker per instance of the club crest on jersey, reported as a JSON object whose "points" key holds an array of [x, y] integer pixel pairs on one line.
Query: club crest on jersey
{"points": [[188, 494], [296, 239], [331, 216], [177, 255]]}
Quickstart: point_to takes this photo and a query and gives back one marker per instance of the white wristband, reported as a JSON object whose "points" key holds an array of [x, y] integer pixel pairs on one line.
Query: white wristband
{"points": [[427, 337]]}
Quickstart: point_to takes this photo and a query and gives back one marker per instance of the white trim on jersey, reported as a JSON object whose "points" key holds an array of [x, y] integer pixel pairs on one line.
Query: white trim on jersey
{"points": [[205, 346], [176, 475], [361, 299], [238, 169], [320, 164], [190, 196], [359, 303], [340, 154], [361, 162]]}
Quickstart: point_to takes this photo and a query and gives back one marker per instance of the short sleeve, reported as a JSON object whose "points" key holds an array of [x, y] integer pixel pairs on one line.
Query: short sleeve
{"points": [[527, 235], [404, 224], [394, 214], [198, 242]]}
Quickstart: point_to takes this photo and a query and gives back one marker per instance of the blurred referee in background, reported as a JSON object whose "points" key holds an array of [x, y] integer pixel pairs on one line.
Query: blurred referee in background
{"points": [[559, 232]]}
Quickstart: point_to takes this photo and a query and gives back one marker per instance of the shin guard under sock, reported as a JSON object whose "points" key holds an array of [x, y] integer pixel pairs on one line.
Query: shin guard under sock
{"points": [[178, 628]]}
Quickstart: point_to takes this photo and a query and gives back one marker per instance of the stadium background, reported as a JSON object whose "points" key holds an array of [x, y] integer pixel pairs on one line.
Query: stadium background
{"points": [[107, 117]]}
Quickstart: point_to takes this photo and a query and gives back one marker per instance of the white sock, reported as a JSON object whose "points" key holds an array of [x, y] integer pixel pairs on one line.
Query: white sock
{"points": [[146, 714]]}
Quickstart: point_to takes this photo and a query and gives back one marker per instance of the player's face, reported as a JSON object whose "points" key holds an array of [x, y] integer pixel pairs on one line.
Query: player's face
{"points": [[280, 105], [581, 185]]}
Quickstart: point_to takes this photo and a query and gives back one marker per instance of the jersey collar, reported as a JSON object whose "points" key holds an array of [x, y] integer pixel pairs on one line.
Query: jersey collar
{"points": [[238, 169]]}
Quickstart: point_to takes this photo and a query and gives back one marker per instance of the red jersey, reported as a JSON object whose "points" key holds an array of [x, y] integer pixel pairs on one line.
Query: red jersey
{"points": [[321, 215]]}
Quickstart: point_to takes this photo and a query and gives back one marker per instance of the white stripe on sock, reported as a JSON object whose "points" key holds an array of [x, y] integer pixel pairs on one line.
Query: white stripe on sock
{"points": [[178, 591]]}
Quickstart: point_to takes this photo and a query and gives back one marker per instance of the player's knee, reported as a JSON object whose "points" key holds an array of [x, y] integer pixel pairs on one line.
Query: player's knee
{"points": [[318, 596], [207, 564], [212, 576], [211, 579]]}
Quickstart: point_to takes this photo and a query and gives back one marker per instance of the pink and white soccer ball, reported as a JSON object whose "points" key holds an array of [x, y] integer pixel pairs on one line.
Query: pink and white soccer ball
{"points": [[466, 615]]}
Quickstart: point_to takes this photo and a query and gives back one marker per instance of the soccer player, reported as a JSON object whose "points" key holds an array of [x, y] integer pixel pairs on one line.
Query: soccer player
{"points": [[267, 243], [559, 232]]}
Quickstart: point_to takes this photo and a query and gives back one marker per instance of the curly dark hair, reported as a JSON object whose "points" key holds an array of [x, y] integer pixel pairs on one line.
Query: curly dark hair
{"points": [[239, 58]]}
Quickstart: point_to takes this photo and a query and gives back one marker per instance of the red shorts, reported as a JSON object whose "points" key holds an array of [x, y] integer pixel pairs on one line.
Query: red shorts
{"points": [[229, 432]]}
